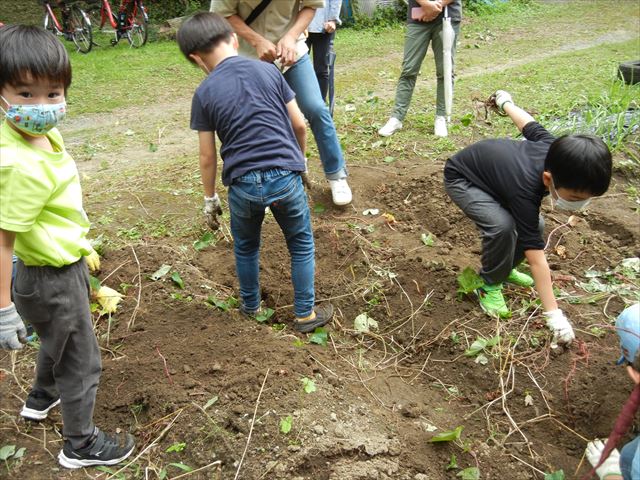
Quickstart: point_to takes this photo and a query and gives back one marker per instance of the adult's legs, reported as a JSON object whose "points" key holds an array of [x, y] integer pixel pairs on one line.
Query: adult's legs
{"points": [[320, 45], [416, 43], [438, 56], [496, 225], [301, 79]]}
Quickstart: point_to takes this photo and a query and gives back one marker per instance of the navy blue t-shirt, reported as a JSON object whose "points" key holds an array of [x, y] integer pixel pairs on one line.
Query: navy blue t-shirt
{"points": [[245, 102], [511, 172]]}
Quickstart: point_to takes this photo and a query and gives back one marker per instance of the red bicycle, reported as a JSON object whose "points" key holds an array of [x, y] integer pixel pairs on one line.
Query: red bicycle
{"points": [[130, 22], [75, 25]]}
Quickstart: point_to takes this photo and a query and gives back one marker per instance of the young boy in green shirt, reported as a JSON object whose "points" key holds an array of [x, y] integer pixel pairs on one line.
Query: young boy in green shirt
{"points": [[500, 185], [43, 221]]}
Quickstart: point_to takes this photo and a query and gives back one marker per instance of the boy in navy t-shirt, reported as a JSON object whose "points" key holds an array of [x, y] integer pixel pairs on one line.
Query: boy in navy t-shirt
{"points": [[249, 105], [500, 184]]}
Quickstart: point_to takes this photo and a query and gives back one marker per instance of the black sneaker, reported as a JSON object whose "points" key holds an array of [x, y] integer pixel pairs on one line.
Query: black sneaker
{"points": [[38, 405], [324, 314], [101, 449]]}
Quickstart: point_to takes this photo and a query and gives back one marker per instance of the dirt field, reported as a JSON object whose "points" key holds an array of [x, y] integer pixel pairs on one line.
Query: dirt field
{"points": [[178, 369]]}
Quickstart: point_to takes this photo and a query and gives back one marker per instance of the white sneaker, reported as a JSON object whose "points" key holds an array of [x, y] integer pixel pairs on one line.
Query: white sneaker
{"points": [[340, 192], [390, 127], [440, 126]]}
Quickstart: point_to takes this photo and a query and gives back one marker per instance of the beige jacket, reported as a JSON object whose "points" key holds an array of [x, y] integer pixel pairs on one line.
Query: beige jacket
{"points": [[273, 23]]}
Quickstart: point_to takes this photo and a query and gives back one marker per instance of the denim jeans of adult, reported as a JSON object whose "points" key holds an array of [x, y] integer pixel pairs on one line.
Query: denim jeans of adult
{"points": [[630, 460], [320, 44], [501, 250], [302, 80], [281, 191], [416, 44]]}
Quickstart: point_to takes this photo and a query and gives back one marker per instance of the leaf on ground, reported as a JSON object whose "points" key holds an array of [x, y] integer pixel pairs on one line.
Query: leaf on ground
{"points": [[364, 323], [7, 452], [427, 239], [476, 347], [389, 159], [176, 447], [210, 402], [94, 283], [469, 281], [558, 475], [20, 453], [286, 423], [181, 466], [308, 385], [453, 462], [469, 473], [264, 314], [319, 208], [449, 436], [319, 336], [177, 279], [161, 272], [528, 400], [206, 240], [216, 302], [482, 359], [371, 211]]}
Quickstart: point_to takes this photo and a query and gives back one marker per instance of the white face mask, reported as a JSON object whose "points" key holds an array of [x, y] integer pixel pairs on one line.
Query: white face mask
{"points": [[563, 204]]}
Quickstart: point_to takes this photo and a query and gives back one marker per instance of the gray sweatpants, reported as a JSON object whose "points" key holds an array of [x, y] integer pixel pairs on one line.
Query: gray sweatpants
{"points": [[56, 302], [501, 251]]}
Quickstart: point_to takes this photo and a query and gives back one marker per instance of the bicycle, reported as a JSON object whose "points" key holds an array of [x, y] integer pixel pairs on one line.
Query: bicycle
{"points": [[75, 25], [130, 21]]}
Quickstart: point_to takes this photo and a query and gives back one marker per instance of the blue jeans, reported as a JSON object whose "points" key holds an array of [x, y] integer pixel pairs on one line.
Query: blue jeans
{"points": [[302, 80], [281, 191], [630, 460]]}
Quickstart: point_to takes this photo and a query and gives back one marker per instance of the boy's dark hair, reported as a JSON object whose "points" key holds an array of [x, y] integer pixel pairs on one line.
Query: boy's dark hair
{"points": [[27, 50], [202, 33], [581, 163]]}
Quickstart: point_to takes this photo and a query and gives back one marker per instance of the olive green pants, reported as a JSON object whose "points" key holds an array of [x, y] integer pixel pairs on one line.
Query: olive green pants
{"points": [[416, 44]]}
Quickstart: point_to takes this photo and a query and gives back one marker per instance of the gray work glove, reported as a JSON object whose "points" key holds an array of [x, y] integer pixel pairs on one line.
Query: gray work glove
{"points": [[13, 333], [212, 208]]}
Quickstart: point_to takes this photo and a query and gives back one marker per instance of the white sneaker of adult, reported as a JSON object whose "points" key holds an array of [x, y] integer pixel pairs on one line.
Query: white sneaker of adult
{"points": [[340, 192], [390, 127], [440, 126]]}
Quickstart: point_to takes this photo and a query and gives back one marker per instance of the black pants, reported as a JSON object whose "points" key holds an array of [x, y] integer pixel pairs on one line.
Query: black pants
{"points": [[501, 250], [56, 302], [320, 45]]}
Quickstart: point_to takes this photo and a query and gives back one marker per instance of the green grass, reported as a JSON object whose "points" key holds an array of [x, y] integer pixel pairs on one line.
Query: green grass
{"points": [[109, 78]]}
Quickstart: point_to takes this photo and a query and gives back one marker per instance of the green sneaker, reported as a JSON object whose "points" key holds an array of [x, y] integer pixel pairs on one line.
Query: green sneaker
{"points": [[520, 279], [492, 301]]}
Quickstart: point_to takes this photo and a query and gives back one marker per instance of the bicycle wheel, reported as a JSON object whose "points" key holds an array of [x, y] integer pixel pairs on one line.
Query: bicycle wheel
{"points": [[103, 33], [80, 29], [137, 21]]}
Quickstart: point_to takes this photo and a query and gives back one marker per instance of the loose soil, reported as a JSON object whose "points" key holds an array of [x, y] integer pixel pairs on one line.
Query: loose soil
{"points": [[380, 396]]}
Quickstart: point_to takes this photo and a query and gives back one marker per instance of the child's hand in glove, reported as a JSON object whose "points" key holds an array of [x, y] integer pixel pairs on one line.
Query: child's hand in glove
{"points": [[212, 208]]}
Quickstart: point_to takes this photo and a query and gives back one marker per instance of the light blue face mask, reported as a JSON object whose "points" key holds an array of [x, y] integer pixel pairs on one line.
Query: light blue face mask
{"points": [[563, 204], [35, 119]]}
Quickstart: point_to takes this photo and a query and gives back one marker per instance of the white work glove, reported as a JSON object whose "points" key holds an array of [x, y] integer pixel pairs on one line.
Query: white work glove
{"points": [[305, 174], [560, 326], [212, 208], [611, 466], [93, 261], [502, 98], [12, 331]]}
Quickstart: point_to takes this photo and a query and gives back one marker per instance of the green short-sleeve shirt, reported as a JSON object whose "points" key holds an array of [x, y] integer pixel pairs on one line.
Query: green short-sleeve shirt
{"points": [[273, 23], [41, 201]]}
